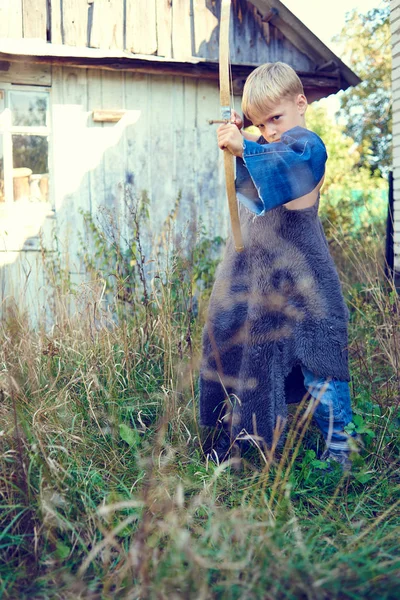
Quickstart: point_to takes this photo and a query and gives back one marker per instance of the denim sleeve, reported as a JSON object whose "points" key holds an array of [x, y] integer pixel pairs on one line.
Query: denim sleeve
{"points": [[272, 174]]}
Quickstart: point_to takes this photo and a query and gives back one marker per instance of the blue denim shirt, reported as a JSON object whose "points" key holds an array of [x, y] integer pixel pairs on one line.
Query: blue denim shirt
{"points": [[272, 174]]}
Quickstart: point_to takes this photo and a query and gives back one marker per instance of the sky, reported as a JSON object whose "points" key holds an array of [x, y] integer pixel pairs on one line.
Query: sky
{"points": [[326, 19]]}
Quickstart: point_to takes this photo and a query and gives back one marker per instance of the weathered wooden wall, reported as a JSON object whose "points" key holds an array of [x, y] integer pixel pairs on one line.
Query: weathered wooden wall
{"points": [[395, 30], [163, 145], [175, 29]]}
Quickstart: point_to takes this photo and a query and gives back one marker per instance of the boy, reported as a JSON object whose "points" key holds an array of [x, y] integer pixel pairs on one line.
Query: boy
{"points": [[277, 322]]}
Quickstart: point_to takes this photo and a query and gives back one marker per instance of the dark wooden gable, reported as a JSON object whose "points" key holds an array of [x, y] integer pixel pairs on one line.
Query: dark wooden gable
{"points": [[253, 39]]}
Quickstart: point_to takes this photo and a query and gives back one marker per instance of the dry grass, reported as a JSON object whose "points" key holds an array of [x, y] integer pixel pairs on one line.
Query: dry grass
{"points": [[105, 491]]}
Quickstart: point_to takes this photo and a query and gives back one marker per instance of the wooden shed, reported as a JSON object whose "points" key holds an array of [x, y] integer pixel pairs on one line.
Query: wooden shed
{"points": [[100, 95]]}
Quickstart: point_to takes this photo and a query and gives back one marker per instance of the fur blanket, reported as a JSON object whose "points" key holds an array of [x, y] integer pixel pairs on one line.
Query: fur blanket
{"points": [[274, 307]]}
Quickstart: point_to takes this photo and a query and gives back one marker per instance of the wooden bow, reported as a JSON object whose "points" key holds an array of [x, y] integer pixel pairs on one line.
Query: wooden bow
{"points": [[225, 98]]}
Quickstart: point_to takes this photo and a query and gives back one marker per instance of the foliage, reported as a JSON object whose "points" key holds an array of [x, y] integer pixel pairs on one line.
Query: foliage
{"points": [[353, 200], [366, 109], [31, 151], [125, 259], [106, 492]]}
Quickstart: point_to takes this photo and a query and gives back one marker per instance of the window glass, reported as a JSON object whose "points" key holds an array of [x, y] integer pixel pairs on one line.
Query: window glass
{"points": [[28, 109], [1, 170], [30, 167]]}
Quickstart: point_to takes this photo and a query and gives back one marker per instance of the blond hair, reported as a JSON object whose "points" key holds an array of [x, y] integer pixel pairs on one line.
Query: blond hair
{"points": [[268, 85]]}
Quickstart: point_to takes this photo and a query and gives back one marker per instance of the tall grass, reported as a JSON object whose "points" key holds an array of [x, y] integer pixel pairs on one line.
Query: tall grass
{"points": [[105, 489]]}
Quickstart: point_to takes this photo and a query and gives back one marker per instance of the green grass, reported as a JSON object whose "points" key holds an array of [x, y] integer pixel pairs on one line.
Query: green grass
{"points": [[106, 493]]}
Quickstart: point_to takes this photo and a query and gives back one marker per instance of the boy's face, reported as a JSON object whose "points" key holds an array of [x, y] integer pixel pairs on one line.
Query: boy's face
{"points": [[285, 115]]}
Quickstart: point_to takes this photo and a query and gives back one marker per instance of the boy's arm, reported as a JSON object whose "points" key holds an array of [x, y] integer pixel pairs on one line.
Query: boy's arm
{"points": [[274, 174]]}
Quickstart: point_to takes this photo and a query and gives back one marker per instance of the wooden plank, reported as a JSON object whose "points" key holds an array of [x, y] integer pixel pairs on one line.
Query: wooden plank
{"points": [[107, 116], [141, 33], [394, 23], [23, 277], [292, 29], [210, 175], [184, 117], [396, 156], [394, 6], [202, 69], [167, 123], [71, 158], [75, 22], [396, 147], [11, 19], [205, 24], [394, 9], [396, 103], [396, 117], [34, 18], [395, 67], [395, 39], [95, 134], [247, 32], [396, 187], [394, 29], [113, 94], [56, 34], [107, 29], [138, 91], [396, 129], [164, 28], [396, 87], [182, 30], [396, 183], [395, 52], [396, 213], [27, 73]]}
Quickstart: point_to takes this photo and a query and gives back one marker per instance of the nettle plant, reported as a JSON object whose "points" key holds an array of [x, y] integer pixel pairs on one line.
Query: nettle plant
{"points": [[133, 262]]}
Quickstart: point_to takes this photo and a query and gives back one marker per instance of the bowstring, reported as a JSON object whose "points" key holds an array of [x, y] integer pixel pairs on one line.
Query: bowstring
{"points": [[231, 82]]}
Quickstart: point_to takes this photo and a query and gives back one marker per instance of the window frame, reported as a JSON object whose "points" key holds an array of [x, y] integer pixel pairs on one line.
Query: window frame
{"points": [[7, 130]]}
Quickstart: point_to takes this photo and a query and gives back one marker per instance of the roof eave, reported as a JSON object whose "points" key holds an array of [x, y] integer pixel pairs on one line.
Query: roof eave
{"points": [[303, 38]]}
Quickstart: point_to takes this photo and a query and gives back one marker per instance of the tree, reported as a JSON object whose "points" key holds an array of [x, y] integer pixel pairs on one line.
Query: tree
{"points": [[366, 108], [353, 199]]}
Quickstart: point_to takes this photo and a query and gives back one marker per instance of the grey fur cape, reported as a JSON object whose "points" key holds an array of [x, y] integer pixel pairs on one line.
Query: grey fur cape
{"points": [[274, 307]]}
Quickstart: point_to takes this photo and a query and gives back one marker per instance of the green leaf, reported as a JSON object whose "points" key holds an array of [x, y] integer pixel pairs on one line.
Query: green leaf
{"points": [[369, 432], [310, 455], [320, 464], [358, 420], [350, 428], [62, 550], [363, 477], [127, 434]]}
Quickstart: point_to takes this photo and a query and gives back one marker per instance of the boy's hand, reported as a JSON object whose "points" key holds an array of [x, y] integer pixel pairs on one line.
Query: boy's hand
{"points": [[229, 137], [236, 119]]}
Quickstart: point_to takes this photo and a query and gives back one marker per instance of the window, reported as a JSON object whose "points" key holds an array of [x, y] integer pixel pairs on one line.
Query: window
{"points": [[1, 170], [24, 145]]}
